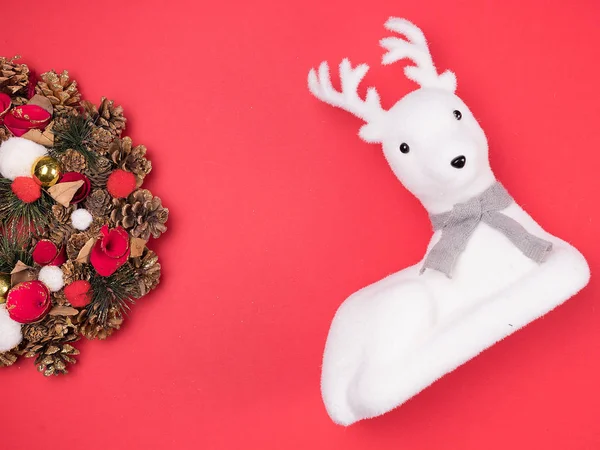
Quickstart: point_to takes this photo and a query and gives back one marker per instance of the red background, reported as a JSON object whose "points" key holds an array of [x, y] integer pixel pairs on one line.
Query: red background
{"points": [[279, 212]]}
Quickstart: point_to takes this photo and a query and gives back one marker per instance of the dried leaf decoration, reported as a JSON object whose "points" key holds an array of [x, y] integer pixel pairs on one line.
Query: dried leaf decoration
{"points": [[21, 272], [137, 246], [84, 254], [63, 311], [63, 193], [42, 102], [45, 138]]}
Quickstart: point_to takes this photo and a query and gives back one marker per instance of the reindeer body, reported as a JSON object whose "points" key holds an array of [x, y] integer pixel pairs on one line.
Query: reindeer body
{"points": [[395, 337]]}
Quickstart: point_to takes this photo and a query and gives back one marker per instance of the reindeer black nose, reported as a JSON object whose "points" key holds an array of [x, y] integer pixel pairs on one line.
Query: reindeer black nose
{"points": [[458, 162]]}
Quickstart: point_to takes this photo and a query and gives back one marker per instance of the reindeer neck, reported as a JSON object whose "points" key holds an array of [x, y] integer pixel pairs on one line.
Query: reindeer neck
{"points": [[444, 201]]}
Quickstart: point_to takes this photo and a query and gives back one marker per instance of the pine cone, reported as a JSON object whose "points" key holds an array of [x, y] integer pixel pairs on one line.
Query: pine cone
{"points": [[4, 134], [74, 271], [129, 158], [76, 242], [72, 161], [141, 213], [59, 228], [51, 329], [148, 271], [49, 342], [60, 90], [99, 203], [98, 175], [14, 79], [8, 358], [92, 328], [59, 298], [107, 116], [102, 139], [53, 359]]}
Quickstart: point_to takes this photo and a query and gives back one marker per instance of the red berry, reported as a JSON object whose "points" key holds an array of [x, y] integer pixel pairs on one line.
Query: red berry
{"points": [[26, 189], [121, 183], [44, 252], [79, 293]]}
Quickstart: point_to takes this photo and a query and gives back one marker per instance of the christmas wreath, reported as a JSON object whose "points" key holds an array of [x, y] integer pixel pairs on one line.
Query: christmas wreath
{"points": [[74, 218]]}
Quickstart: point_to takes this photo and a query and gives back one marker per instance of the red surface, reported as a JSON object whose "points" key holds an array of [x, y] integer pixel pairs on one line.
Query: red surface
{"points": [[278, 212]]}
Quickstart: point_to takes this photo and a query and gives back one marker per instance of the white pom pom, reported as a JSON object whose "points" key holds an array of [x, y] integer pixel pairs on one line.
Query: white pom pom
{"points": [[17, 156], [81, 219], [10, 331], [52, 277]]}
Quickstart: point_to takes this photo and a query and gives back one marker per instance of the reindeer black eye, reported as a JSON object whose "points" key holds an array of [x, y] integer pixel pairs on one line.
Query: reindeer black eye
{"points": [[457, 114], [404, 148]]}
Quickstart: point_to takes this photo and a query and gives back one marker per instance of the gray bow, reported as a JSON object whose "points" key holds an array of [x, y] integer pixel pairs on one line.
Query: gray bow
{"points": [[459, 224]]}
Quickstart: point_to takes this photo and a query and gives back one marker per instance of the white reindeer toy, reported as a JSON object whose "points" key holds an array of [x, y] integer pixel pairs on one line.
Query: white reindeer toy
{"points": [[489, 269]]}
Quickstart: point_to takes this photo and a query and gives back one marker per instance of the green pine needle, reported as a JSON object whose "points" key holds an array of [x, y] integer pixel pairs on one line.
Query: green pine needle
{"points": [[14, 248], [118, 289], [75, 132]]}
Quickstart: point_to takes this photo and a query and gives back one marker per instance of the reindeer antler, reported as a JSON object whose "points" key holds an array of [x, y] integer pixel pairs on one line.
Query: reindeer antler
{"points": [[348, 99], [415, 48]]}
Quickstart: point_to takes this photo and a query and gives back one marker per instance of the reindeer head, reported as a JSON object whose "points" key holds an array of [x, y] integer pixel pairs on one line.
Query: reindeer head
{"points": [[430, 138]]}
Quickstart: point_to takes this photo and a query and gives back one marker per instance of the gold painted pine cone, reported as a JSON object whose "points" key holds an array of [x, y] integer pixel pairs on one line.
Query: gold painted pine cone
{"points": [[60, 90], [49, 341], [148, 269], [129, 158], [99, 202], [14, 78], [98, 176], [53, 359], [74, 271], [106, 116], [91, 327], [8, 358], [4, 134], [59, 226], [72, 161], [141, 214]]}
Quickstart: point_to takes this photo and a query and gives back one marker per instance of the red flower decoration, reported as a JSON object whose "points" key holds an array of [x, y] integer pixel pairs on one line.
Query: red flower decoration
{"points": [[83, 191], [110, 251], [23, 118], [79, 293], [46, 253], [28, 301]]}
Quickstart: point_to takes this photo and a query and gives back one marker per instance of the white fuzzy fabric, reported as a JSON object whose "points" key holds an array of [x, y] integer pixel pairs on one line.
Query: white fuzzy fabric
{"points": [[394, 338], [81, 219], [52, 277], [10, 331], [17, 156]]}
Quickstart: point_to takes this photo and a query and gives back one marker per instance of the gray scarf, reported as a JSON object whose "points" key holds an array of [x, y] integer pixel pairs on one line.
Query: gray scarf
{"points": [[459, 224]]}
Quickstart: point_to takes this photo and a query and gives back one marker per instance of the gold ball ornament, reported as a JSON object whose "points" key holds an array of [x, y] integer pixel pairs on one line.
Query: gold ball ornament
{"points": [[4, 286], [46, 171]]}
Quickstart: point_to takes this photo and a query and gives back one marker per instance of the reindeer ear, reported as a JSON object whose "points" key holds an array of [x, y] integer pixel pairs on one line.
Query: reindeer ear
{"points": [[372, 133]]}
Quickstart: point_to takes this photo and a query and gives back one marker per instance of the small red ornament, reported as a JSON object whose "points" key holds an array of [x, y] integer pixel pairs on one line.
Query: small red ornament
{"points": [[46, 253], [83, 191], [28, 301], [26, 189], [121, 183], [110, 251], [79, 293]]}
